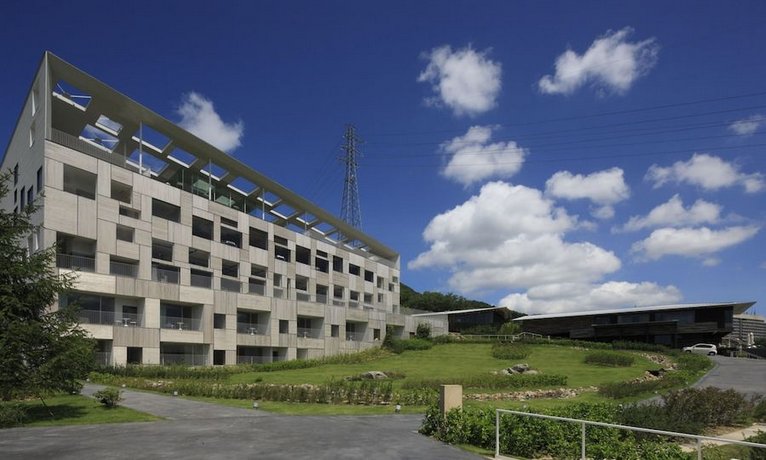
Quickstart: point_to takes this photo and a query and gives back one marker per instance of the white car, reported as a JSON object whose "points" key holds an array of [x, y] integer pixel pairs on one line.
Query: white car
{"points": [[703, 349]]}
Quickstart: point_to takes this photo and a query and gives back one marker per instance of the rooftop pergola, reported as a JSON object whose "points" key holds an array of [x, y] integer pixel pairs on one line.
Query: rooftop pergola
{"points": [[91, 117]]}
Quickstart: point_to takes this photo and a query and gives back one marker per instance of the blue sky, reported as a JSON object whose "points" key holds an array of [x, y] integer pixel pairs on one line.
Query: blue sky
{"points": [[548, 156]]}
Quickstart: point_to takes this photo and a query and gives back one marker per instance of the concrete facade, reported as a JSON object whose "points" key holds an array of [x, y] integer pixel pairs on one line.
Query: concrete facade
{"points": [[182, 253]]}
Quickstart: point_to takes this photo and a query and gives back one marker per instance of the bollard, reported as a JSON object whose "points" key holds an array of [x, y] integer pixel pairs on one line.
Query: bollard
{"points": [[450, 397]]}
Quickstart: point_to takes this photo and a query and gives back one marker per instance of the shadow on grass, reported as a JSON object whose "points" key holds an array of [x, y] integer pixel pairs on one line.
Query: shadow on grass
{"points": [[39, 413]]}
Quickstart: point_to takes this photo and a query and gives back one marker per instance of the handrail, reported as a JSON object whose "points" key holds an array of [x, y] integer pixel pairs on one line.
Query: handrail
{"points": [[583, 423]]}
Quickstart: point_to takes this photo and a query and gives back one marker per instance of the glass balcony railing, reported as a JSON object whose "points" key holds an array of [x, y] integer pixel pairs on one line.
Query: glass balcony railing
{"points": [[182, 324], [243, 359], [164, 275], [257, 289], [252, 328], [230, 285], [203, 281], [95, 317], [309, 332], [188, 359], [123, 269]]}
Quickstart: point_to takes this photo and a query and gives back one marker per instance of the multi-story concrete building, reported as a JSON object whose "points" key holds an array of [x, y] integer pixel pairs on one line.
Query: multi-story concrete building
{"points": [[182, 252]]}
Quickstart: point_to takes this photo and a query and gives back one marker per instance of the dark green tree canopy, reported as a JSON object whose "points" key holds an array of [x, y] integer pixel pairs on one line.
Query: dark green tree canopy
{"points": [[436, 301], [40, 350]]}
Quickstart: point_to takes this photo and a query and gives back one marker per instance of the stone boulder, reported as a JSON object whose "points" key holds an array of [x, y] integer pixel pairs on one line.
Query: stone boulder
{"points": [[374, 375], [520, 368]]}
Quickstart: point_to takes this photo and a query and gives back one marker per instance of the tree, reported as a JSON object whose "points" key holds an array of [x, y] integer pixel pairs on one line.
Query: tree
{"points": [[40, 350]]}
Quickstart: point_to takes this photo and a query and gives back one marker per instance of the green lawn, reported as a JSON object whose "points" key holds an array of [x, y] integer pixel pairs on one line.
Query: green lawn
{"points": [[450, 361], [289, 408], [78, 410]]}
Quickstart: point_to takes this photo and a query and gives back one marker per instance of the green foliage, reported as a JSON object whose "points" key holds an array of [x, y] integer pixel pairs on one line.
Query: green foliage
{"points": [[423, 331], [399, 346], [389, 336], [510, 351], [609, 358], [436, 301], [509, 328], [171, 372], [759, 411], [640, 346], [11, 414], [40, 351], [109, 397], [619, 390], [480, 329], [491, 382]]}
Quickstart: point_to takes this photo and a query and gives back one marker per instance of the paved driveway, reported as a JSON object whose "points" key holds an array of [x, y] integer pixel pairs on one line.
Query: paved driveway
{"points": [[744, 375], [205, 431]]}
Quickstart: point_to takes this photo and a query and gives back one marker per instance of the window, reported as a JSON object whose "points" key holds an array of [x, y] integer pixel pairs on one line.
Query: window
{"points": [[39, 179], [219, 357], [376, 334], [335, 330], [231, 237], [15, 196], [280, 240], [302, 255], [80, 182], [230, 268], [32, 135], [321, 264], [165, 210], [122, 192], [23, 197], [381, 298], [369, 276], [162, 250], [31, 194], [124, 233], [354, 269], [199, 257], [258, 271], [337, 264], [259, 238], [34, 101], [15, 174], [381, 282], [219, 321], [284, 326], [367, 299], [282, 253], [130, 212], [202, 228], [229, 222]]}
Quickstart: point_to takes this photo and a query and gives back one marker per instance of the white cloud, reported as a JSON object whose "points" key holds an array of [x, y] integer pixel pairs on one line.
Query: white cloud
{"points": [[604, 188], [692, 242], [466, 81], [198, 116], [557, 298], [475, 159], [511, 237], [611, 63], [706, 171], [673, 214], [748, 126]]}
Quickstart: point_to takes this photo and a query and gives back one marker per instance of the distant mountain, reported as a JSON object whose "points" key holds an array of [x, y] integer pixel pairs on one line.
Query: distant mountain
{"points": [[436, 301]]}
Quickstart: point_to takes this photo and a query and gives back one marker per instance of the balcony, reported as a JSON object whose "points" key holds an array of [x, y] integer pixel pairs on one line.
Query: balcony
{"points": [[230, 285], [180, 323], [102, 358], [321, 298], [338, 302], [256, 288], [279, 293], [128, 320], [309, 332], [95, 317], [73, 262], [252, 328], [187, 359], [165, 275], [252, 359], [123, 269], [303, 296], [198, 279]]}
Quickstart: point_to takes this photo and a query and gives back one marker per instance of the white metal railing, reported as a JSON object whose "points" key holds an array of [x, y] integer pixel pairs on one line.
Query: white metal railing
{"points": [[128, 319], [583, 423], [123, 269], [252, 328], [81, 263], [309, 332], [95, 317]]}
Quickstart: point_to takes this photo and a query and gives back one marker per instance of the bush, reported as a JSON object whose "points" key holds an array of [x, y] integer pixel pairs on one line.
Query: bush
{"points": [[399, 346], [491, 382], [510, 351], [109, 397], [12, 414], [609, 358], [509, 328], [423, 331], [759, 411]]}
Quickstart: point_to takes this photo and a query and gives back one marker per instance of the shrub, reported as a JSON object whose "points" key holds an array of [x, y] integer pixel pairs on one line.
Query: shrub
{"points": [[491, 382], [423, 331], [109, 397], [12, 414], [509, 328], [510, 351], [640, 346], [398, 345], [609, 358], [759, 411]]}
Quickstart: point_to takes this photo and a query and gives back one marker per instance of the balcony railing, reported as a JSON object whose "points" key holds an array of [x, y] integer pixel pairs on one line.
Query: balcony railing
{"points": [[95, 317], [258, 289], [182, 324], [103, 358], [123, 269], [230, 285], [128, 320], [353, 304], [253, 359], [165, 276], [309, 332], [338, 302], [72, 262], [303, 296], [354, 336], [188, 359], [252, 328], [321, 298], [203, 281], [279, 293]]}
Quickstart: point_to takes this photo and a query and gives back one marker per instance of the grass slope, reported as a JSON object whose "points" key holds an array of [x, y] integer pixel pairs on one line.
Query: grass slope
{"points": [[79, 410]]}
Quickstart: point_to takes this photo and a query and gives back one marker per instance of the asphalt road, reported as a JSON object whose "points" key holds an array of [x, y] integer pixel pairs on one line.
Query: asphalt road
{"points": [[197, 430], [744, 375]]}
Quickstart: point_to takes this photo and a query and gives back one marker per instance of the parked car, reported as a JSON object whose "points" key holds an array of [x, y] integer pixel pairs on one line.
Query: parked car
{"points": [[702, 348]]}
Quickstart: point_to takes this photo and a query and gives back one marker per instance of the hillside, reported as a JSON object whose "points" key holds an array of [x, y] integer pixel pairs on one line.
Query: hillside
{"points": [[436, 301]]}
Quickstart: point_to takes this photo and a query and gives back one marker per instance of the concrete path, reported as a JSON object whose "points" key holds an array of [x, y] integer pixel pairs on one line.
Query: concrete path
{"points": [[744, 375], [197, 430], [173, 408]]}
